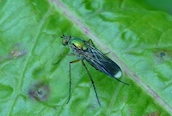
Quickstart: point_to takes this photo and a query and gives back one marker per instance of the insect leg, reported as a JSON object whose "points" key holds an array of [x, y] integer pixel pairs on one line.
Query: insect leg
{"points": [[70, 82], [90, 42], [61, 56], [91, 82], [122, 81]]}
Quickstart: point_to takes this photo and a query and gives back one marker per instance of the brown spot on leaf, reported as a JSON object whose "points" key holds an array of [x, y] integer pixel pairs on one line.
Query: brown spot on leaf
{"points": [[16, 51], [40, 91], [155, 113], [162, 55]]}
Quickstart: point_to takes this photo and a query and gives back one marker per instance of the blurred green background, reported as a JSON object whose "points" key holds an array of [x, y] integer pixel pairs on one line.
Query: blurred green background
{"points": [[162, 5]]}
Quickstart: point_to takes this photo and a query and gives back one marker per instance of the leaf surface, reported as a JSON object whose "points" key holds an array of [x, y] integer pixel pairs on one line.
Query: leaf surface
{"points": [[136, 38]]}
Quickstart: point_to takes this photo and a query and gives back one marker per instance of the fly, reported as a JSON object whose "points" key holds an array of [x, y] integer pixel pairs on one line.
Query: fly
{"points": [[85, 50]]}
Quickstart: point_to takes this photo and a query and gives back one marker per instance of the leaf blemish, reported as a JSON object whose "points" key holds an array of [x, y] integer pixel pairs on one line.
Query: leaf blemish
{"points": [[162, 55], [16, 51], [40, 91]]}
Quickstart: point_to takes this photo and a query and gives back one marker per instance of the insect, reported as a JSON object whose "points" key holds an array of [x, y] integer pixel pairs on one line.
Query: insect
{"points": [[85, 50]]}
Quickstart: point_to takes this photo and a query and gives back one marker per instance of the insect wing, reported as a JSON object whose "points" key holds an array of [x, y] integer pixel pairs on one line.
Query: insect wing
{"points": [[102, 63]]}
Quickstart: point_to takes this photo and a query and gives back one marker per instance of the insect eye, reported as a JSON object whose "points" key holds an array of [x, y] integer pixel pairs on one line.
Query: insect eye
{"points": [[65, 42]]}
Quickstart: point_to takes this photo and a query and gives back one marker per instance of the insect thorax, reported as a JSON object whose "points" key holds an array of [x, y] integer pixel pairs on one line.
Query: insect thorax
{"points": [[78, 52]]}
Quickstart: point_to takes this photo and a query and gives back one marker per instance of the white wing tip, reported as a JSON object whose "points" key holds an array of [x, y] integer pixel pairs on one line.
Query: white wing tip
{"points": [[118, 74]]}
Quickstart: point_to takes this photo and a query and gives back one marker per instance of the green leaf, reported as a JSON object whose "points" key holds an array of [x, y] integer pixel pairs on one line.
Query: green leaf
{"points": [[137, 39]]}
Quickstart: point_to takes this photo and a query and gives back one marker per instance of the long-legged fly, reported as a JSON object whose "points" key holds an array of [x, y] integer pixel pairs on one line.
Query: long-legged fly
{"points": [[85, 50]]}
